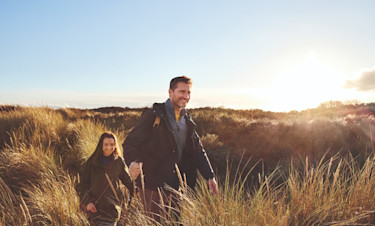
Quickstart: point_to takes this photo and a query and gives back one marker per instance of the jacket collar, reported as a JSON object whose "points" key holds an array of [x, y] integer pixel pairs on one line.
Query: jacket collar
{"points": [[170, 110], [159, 110], [98, 163]]}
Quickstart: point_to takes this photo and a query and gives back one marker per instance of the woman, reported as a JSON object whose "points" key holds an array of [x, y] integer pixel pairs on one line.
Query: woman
{"points": [[99, 181]]}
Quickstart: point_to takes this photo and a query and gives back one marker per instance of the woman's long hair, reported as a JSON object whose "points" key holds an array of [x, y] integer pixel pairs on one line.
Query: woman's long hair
{"points": [[99, 148]]}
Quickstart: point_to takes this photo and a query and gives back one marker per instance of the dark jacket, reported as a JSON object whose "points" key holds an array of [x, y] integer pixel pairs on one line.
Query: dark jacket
{"points": [[157, 149], [94, 187]]}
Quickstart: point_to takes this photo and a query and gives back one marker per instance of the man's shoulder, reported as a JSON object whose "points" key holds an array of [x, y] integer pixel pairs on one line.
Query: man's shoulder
{"points": [[149, 113], [155, 105], [158, 109], [189, 119]]}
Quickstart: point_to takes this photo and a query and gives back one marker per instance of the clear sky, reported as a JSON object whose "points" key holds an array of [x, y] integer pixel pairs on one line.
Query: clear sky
{"points": [[271, 55]]}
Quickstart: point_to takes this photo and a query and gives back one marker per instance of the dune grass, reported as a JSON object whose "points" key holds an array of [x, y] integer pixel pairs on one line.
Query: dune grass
{"points": [[41, 151]]}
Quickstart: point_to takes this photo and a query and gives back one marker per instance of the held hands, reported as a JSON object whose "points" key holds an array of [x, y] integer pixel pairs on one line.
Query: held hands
{"points": [[91, 208], [135, 169], [212, 185]]}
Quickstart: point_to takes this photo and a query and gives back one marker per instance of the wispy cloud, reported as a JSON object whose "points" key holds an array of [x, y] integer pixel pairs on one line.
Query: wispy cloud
{"points": [[365, 82]]}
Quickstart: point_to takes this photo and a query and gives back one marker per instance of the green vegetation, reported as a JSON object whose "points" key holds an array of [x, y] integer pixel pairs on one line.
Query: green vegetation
{"points": [[298, 168]]}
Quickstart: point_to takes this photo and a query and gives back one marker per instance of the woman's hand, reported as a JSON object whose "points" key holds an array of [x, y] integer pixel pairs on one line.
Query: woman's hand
{"points": [[91, 207]]}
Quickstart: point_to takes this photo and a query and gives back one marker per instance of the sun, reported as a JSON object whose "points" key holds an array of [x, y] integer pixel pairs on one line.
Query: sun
{"points": [[305, 85]]}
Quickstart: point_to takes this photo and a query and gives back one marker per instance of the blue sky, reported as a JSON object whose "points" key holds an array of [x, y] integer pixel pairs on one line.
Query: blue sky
{"points": [[272, 55]]}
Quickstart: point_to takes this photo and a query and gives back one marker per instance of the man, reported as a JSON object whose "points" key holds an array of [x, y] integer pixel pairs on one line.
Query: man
{"points": [[162, 138]]}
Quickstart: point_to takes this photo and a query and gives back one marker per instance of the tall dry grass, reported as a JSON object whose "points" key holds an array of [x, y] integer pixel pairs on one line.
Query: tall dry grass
{"points": [[39, 148], [321, 195], [41, 151]]}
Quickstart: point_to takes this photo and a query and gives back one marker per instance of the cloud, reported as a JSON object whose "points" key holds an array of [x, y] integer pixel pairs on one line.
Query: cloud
{"points": [[365, 82]]}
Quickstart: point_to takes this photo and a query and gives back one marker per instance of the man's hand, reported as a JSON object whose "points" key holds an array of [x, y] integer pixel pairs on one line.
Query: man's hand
{"points": [[91, 207], [212, 185], [135, 169]]}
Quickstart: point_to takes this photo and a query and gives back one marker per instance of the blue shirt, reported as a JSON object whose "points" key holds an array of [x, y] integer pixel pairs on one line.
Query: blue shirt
{"points": [[179, 128]]}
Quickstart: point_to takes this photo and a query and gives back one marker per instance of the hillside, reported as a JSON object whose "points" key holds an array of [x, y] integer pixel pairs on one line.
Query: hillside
{"points": [[267, 163]]}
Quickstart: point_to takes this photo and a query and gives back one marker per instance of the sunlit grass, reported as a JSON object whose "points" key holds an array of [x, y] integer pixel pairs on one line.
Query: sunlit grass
{"points": [[42, 151]]}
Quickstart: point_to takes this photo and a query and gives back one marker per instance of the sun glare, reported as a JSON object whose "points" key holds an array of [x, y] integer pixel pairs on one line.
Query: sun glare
{"points": [[305, 85]]}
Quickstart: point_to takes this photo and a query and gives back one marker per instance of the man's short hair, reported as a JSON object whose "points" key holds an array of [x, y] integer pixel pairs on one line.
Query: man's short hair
{"points": [[174, 81]]}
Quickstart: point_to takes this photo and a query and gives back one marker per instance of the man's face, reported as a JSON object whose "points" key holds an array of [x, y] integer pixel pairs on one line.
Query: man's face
{"points": [[180, 96]]}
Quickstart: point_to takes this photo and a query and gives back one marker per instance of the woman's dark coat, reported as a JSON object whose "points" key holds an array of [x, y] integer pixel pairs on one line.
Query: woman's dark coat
{"points": [[94, 187]]}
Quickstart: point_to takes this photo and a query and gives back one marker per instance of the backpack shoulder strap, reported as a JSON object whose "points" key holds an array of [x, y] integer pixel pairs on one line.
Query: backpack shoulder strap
{"points": [[157, 122], [155, 108]]}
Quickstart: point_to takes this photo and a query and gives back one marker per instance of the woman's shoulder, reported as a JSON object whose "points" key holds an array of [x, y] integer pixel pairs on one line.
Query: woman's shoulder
{"points": [[119, 159], [85, 166]]}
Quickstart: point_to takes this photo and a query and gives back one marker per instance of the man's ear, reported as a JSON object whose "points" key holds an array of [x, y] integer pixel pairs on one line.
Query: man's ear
{"points": [[170, 92]]}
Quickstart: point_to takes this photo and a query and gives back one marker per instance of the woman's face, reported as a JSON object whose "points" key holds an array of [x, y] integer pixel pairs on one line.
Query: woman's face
{"points": [[108, 146]]}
